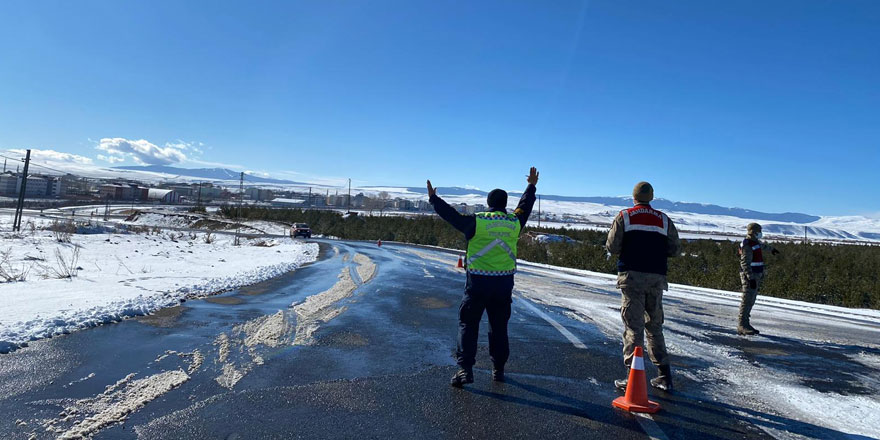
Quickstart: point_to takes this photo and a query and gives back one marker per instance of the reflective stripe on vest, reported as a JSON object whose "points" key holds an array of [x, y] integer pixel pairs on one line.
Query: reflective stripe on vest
{"points": [[643, 218], [645, 240], [492, 250], [757, 252]]}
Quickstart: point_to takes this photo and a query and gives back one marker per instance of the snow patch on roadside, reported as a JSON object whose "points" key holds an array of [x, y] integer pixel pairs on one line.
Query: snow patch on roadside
{"points": [[113, 405], [365, 267], [124, 275], [250, 337], [318, 309]]}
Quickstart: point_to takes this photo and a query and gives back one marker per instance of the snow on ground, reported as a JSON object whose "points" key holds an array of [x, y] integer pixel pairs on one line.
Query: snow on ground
{"points": [[120, 275], [242, 349], [762, 374]]}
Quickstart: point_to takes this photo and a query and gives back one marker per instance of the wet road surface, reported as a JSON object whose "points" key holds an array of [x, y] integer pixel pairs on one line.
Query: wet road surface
{"points": [[368, 356]]}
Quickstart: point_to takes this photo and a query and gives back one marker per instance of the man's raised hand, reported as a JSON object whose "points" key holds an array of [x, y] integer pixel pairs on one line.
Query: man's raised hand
{"points": [[533, 176], [431, 190]]}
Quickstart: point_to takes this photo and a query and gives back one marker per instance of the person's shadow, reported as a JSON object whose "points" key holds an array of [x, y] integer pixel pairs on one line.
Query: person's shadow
{"points": [[692, 405]]}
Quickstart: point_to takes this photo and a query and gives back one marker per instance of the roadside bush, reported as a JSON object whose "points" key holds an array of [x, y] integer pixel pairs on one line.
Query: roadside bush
{"points": [[10, 273], [65, 266], [62, 230]]}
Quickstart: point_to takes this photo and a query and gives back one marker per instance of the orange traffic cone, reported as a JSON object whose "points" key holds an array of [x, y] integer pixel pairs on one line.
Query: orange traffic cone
{"points": [[636, 397], [460, 262]]}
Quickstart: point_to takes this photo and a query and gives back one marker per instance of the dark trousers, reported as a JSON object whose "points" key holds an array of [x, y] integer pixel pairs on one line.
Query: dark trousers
{"points": [[493, 296]]}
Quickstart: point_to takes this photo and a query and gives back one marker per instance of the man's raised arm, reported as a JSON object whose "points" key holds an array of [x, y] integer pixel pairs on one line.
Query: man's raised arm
{"points": [[527, 201], [466, 224]]}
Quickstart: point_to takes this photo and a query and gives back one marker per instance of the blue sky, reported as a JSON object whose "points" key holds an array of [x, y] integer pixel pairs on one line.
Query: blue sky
{"points": [[768, 105]]}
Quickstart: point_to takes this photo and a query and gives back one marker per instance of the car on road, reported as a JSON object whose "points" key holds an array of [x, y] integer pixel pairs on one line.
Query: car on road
{"points": [[300, 230]]}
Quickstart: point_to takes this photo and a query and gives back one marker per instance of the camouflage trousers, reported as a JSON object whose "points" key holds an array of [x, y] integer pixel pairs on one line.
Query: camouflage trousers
{"points": [[642, 313], [748, 297]]}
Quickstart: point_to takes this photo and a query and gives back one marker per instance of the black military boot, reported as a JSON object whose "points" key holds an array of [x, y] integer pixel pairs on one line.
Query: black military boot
{"points": [[622, 383], [747, 330], [463, 376], [745, 310], [745, 327], [498, 374], [664, 380]]}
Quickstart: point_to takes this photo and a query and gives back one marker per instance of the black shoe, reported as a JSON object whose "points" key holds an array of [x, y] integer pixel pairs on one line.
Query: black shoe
{"points": [[498, 374], [462, 377], [622, 383], [664, 380], [663, 383], [747, 330]]}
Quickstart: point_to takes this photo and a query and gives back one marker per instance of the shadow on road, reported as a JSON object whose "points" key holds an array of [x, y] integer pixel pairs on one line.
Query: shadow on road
{"points": [[753, 417]]}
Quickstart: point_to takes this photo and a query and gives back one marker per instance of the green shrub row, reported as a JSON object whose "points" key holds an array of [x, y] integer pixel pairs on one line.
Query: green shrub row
{"points": [[843, 275]]}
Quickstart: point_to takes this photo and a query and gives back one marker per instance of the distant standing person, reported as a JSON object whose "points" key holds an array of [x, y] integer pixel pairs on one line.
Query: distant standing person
{"points": [[751, 262], [644, 238], [491, 263]]}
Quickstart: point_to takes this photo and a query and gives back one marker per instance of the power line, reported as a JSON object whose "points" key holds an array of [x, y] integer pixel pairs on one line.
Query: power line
{"points": [[33, 164]]}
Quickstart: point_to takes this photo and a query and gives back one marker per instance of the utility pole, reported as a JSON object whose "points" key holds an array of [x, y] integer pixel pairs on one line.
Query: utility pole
{"points": [[349, 195], [19, 208], [309, 201], [199, 199], [539, 210], [240, 200], [805, 235], [4, 164]]}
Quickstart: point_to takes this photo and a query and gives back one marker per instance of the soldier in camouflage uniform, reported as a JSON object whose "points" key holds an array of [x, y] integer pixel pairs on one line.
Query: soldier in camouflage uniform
{"points": [[751, 260], [644, 238]]}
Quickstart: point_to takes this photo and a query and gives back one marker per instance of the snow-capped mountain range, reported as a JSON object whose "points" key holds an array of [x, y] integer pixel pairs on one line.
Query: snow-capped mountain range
{"points": [[693, 219]]}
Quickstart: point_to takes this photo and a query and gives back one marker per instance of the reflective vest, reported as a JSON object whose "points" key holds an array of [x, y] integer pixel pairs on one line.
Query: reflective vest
{"points": [[757, 254], [492, 250], [645, 231]]}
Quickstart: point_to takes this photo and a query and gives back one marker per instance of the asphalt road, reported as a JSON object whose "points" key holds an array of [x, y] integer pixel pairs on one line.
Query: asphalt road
{"points": [[378, 367]]}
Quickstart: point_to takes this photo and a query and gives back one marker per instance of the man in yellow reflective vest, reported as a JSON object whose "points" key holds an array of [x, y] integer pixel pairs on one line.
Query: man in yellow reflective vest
{"points": [[490, 266]]}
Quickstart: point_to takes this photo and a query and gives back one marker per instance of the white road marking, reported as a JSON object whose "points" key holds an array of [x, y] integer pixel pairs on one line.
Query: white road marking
{"points": [[568, 335], [647, 423], [650, 426]]}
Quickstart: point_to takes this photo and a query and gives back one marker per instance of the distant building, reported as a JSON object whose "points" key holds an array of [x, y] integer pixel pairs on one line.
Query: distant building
{"points": [[36, 186], [316, 201], [184, 190], [258, 194], [342, 201], [8, 184], [358, 201], [402, 204], [57, 187], [75, 186], [123, 192], [162, 195], [288, 202]]}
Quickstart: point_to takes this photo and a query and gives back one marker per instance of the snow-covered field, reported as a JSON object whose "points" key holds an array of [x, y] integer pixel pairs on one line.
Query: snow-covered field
{"points": [[116, 275]]}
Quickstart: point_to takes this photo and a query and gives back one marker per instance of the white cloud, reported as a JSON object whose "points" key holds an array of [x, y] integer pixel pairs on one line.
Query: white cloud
{"points": [[111, 159], [54, 156], [142, 151], [184, 146]]}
